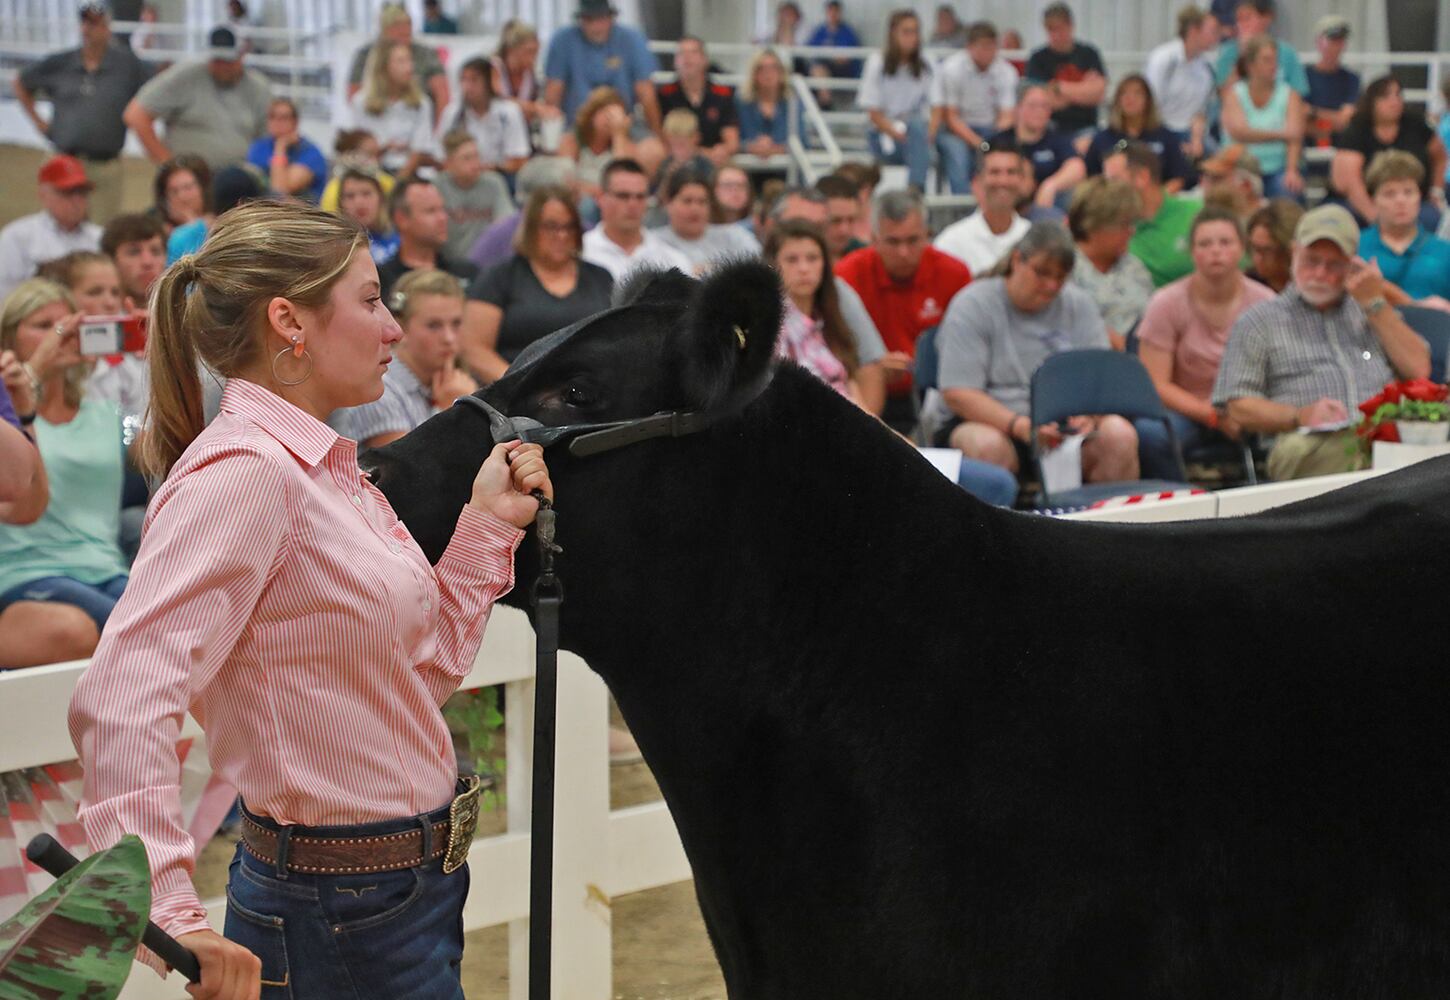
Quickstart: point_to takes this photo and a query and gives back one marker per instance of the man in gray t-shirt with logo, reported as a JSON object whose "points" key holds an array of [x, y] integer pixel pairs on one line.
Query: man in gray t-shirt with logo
{"points": [[995, 334]]}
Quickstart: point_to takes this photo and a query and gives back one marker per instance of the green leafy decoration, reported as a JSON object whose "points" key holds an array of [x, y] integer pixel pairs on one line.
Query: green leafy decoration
{"points": [[76, 940]]}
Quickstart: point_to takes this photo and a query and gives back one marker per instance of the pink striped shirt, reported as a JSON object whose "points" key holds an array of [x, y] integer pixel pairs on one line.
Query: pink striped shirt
{"points": [[279, 599]]}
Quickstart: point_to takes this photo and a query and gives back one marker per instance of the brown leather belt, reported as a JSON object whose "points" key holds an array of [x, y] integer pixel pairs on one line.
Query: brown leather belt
{"points": [[364, 855]]}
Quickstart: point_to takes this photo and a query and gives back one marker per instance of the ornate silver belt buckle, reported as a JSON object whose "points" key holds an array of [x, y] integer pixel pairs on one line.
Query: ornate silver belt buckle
{"points": [[462, 821]]}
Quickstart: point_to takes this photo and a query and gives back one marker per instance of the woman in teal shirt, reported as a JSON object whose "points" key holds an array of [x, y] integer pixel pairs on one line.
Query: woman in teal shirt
{"points": [[61, 575]]}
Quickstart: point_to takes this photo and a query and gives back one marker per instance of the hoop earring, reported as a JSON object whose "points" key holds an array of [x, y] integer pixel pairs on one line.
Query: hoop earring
{"points": [[296, 350]]}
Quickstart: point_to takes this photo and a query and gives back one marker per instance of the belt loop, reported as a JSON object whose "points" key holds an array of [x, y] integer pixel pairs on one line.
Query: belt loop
{"points": [[284, 835], [425, 821]]}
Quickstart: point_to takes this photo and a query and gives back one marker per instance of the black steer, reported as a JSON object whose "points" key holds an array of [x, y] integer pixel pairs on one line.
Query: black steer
{"points": [[918, 747]]}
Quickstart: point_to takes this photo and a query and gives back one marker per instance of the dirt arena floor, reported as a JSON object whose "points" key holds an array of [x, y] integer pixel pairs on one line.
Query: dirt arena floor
{"points": [[661, 951]]}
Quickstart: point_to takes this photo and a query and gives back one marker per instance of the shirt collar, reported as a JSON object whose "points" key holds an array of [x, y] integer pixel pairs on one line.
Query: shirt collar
{"points": [[407, 380], [296, 430]]}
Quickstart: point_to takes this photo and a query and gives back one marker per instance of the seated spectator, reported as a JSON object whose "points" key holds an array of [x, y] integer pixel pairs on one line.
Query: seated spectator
{"points": [[393, 109], [1380, 122], [867, 178], [995, 334], [1182, 338], [24, 489], [232, 186], [1267, 116], [136, 246], [293, 165], [473, 196], [843, 222], [423, 377], [496, 124], [833, 32], [1180, 74], [435, 22], [984, 237], [1012, 42], [1333, 90], [1271, 242], [1255, 19], [1284, 367], [734, 197], [597, 52], [761, 106], [395, 27], [182, 192], [896, 93], [905, 284], [1101, 221], [95, 290], [689, 204], [58, 228], [1160, 240], [1133, 117], [948, 31], [89, 277], [620, 243], [1072, 73], [421, 219], [976, 97], [1053, 164], [712, 104], [362, 200], [682, 146], [496, 245], [812, 332], [513, 71], [544, 287], [213, 109], [809, 205], [1442, 132], [787, 30], [357, 150], [61, 575], [88, 89], [1415, 263], [1232, 178], [601, 133]]}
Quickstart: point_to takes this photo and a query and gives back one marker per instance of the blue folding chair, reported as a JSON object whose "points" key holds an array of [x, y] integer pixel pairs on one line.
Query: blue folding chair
{"points": [[1091, 382], [1434, 327]]}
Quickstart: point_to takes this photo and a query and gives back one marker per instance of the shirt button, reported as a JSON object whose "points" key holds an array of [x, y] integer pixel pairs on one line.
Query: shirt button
{"points": [[394, 548], [357, 499], [1367, 355], [427, 605]]}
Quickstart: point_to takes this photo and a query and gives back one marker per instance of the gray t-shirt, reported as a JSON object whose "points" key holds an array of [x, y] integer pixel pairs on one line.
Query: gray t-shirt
{"points": [[88, 106], [987, 343], [204, 118], [720, 242], [870, 348], [472, 210]]}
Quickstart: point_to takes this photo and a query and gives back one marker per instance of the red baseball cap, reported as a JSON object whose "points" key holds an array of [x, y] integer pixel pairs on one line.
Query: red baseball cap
{"points": [[64, 173]]}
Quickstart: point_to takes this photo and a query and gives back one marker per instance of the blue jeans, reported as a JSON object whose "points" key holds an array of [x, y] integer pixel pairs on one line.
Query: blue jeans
{"points": [[988, 482], [1155, 455], [95, 599], [350, 937], [958, 160], [914, 153]]}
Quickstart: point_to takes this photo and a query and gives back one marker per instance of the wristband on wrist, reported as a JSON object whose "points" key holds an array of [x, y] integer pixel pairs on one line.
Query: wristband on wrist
{"points": [[25, 419], [1213, 418]]}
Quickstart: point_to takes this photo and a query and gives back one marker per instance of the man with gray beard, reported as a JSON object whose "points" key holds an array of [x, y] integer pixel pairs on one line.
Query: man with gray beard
{"points": [[1299, 365]]}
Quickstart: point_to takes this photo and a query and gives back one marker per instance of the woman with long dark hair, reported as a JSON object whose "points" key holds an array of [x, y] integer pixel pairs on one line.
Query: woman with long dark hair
{"points": [[813, 333], [1133, 117], [1380, 122], [895, 92]]}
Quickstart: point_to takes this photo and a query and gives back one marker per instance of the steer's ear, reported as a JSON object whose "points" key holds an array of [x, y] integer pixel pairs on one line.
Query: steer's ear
{"points": [[727, 338]]}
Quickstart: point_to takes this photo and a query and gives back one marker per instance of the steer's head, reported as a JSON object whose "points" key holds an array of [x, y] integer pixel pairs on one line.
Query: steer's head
{"points": [[671, 343]]}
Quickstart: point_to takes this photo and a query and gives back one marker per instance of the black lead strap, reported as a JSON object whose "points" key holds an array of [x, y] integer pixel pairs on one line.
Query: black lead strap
{"points": [[547, 595]]}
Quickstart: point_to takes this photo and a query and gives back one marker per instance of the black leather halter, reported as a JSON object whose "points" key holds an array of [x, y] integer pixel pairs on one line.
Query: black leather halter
{"points": [[588, 439]]}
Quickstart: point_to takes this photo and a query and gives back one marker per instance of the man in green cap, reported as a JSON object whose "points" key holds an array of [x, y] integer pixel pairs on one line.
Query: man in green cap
{"points": [[1299, 365]]}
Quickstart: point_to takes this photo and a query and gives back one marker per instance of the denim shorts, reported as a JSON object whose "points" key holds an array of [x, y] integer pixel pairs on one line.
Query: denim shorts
{"points": [[352, 937], [95, 599]]}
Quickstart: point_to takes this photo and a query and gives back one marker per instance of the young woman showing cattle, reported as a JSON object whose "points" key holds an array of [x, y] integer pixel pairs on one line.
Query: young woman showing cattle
{"points": [[278, 598], [812, 332]]}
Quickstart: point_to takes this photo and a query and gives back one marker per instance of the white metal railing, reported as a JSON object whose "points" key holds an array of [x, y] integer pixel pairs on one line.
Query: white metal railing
{"points": [[598, 853]]}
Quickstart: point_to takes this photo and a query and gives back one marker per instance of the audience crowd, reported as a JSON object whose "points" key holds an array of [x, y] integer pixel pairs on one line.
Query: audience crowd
{"points": [[1176, 213]]}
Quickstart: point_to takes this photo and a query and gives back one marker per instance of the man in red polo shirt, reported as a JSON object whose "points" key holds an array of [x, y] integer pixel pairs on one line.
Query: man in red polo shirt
{"points": [[905, 284]]}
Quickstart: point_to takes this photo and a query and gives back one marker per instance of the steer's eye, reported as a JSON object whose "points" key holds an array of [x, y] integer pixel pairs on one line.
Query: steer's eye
{"points": [[577, 396]]}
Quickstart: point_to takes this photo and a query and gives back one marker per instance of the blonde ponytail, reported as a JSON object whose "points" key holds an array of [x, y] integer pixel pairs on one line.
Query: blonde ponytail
{"points": [[209, 309]]}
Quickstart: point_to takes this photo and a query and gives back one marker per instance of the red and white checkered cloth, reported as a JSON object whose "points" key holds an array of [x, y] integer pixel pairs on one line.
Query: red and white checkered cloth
{"points": [[39, 800], [1134, 499]]}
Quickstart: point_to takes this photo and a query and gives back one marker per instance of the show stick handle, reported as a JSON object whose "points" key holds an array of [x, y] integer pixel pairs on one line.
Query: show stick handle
{"points": [[46, 852]]}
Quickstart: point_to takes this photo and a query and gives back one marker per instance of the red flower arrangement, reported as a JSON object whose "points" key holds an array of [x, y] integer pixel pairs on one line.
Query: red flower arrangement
{"points": [[1418, 399]]}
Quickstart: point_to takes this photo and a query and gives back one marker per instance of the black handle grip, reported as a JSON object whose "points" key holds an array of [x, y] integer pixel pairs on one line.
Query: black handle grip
{"points": [[45, 851]]}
